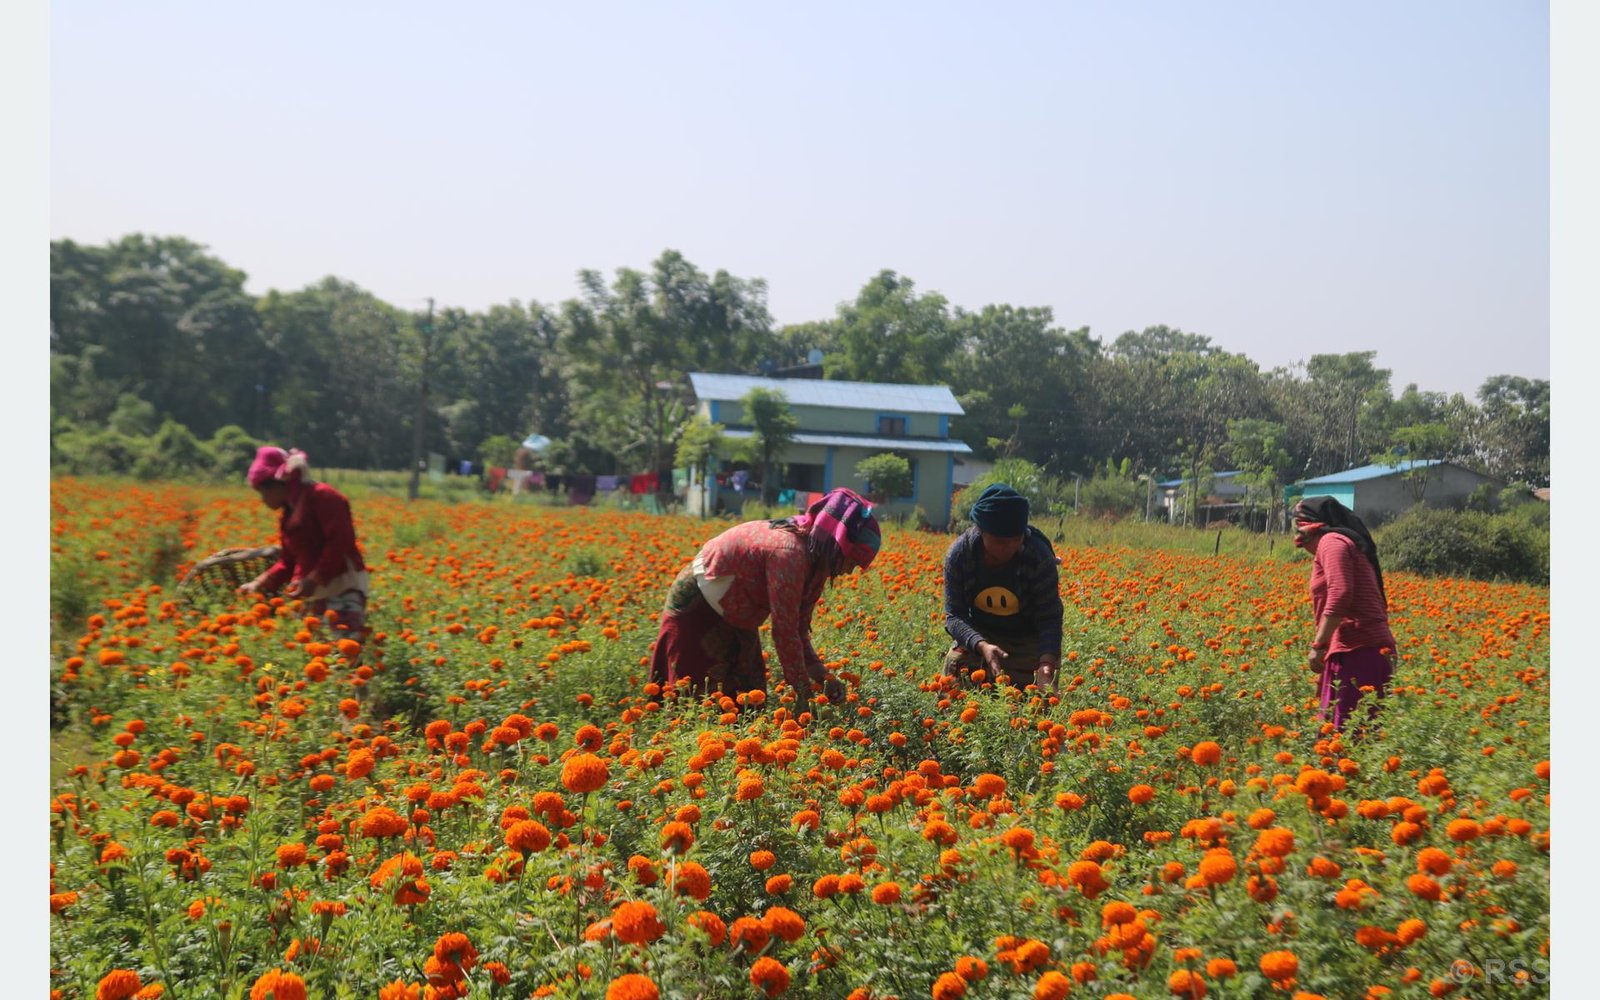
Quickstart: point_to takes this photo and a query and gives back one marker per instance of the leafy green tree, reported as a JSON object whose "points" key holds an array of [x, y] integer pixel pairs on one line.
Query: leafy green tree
{"points": [[133, 416], [887, 476], [1413, 444], [774, 426], [497, 451], [1255, 447], [1017, 357], [1514, 443], [892, 334], [1158, 343], [699, 444]]}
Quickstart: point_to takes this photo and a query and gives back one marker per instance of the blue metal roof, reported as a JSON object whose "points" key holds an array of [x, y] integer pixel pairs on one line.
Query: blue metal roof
{"points": [[876, 443], [1365, 472], [885, 396], [1175, 483]]}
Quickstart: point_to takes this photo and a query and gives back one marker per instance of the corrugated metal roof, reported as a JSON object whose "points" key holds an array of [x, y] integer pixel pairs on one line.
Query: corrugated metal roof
{"points": [[1174, 483], [882, 443], [886, 396], [1365, 472]]}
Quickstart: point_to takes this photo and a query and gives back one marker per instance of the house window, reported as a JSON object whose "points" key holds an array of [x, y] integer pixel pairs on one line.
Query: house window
{"points": [[891, 425]]}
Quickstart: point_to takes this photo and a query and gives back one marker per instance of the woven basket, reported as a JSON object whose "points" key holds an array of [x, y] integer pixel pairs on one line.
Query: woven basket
{"points": [[221, 573]]}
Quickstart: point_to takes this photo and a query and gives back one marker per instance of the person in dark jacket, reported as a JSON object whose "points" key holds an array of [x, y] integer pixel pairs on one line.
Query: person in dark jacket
{"points": [[319, 560], [1002, 597]]}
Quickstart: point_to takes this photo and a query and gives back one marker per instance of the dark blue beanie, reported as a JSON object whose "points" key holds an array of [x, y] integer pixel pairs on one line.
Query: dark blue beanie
{"points": [[1001, 510]]}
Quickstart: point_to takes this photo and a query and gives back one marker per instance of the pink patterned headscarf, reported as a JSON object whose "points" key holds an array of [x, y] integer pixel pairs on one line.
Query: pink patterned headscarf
{"points": [[275, 463], [846, 517]]}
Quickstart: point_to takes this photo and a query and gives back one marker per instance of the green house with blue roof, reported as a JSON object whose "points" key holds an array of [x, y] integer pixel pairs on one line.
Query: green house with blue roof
{"points": [[841, 423], [1377, 493]]}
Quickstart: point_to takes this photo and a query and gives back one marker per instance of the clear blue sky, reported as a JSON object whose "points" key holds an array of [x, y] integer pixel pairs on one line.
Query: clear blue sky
{"points": [[1287, 178]]}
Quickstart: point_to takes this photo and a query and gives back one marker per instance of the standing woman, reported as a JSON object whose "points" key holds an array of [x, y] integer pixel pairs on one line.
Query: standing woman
{"points": [[1352, 644], [753, 571], [319, 558]]}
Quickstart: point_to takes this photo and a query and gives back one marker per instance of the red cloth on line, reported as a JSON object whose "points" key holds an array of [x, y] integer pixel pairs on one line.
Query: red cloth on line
{"points": [[1343, 583], [317, 537], [496, 477]]}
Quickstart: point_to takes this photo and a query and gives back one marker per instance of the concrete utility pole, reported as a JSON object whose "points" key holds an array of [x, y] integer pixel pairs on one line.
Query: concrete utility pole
{"points": [[422, 405]]}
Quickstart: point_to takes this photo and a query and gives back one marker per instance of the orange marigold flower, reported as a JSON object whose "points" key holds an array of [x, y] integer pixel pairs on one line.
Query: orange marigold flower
{"points": [[1186, 983], [636, 923], [712, 924], [677, 837], [986, 786], [762, 860], [633, 986], [770, 976], [1410, 930], [784, 924], [1206, 752], [1088, 877], [278, 985], [1141, 794], [382, 822], [1462, 830], [1052, 986], [1221, 968], [949, 986], [527, 836], [747, 933], [971, 968], [1280, 966], [118, 984], [1218, 868], [1424, 887], [886, 893], [456, 948], [777, 885], [690, 879], [584, 773]]}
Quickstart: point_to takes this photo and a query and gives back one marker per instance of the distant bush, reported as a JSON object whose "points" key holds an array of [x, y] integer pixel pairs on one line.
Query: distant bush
{"points": [[1514, 545], [1045, 495]]}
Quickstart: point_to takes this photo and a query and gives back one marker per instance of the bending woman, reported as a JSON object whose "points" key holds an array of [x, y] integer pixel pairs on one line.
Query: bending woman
{"points": [[319, 559], [1352, 643], [753, 571]]}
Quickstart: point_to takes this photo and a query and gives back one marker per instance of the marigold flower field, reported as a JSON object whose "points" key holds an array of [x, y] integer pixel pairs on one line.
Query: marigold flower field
{"points": [[486, 799]]}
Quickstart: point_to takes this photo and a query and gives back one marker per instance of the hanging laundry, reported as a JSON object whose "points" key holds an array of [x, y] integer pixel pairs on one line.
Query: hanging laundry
{"points": [[535, 480], [605, 484], [519, 479], [496, 477], [552, 483], [786, 498], [739, 479], [580, 489]]}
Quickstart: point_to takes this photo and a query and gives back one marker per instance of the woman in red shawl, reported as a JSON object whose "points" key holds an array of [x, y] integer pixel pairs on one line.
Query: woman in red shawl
{"points": [[751, 572], [1352, 644], [319, 558]]}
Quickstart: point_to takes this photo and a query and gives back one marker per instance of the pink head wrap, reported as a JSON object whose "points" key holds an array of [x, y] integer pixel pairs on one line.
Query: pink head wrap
{"points": [[275, 463], [846, 517]]}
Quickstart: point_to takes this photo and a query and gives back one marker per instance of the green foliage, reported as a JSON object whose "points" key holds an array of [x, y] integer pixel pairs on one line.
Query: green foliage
{"points": [[887, 476], [774, 424], [497, 451], [149, 328], [232, 450], [1045, 495], [1112, 495], [1509, 546]]}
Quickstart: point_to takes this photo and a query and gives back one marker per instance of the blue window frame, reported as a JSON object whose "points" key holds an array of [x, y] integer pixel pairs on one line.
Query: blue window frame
{"points": [[894, 424]]}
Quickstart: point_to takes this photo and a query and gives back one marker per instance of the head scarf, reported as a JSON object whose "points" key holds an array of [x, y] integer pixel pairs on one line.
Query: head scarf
{"points": [[846, 517], [1001, 510], [1327, 514], [276, 464]]}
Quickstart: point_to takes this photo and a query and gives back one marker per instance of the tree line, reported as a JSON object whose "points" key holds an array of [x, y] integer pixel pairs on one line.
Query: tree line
{"points": [[158, 352]]}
